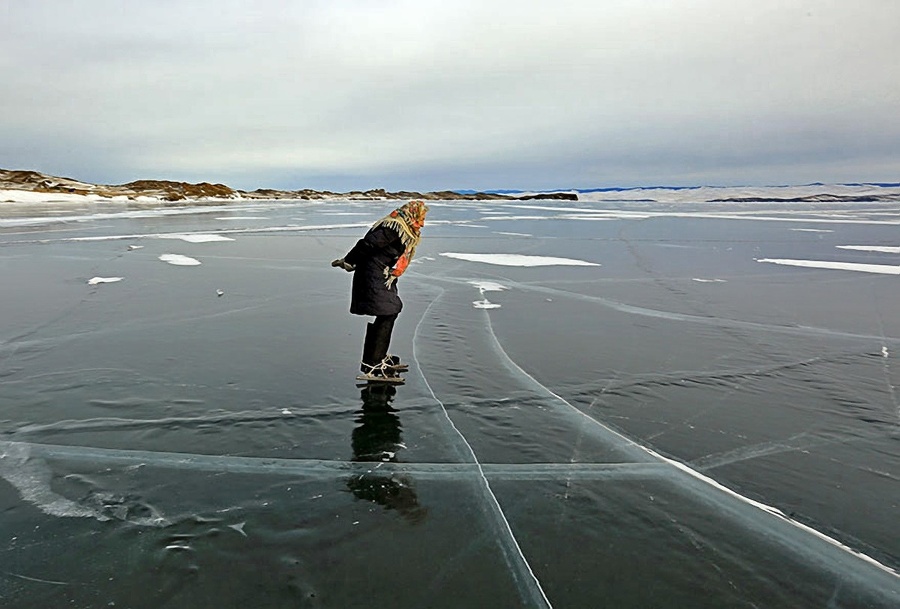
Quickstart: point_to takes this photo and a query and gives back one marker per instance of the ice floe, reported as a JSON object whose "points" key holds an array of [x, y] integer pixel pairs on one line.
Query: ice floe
{"points": [[518, 259], [179, 260], [882, 269]]}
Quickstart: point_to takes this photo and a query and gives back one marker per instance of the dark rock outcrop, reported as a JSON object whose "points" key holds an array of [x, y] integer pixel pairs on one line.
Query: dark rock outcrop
{"points": [[179, 191], [559, 196]]}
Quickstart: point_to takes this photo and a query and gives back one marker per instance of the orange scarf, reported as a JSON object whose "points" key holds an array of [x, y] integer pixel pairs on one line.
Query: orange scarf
{"points": [[408, 221]]}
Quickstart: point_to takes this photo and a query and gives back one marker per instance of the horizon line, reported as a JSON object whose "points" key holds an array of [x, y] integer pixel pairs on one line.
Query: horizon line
{"points": [[878, 184]]}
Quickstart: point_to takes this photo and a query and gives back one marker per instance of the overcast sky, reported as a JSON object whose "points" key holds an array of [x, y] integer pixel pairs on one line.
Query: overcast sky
{"points": [[452, 94]]}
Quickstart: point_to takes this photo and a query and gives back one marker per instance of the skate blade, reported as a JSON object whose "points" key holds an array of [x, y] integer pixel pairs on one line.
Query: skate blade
{"points": [[391, 380]]}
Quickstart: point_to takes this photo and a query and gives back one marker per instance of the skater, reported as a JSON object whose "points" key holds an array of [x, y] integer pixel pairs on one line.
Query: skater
{"points": [[377, 260]]}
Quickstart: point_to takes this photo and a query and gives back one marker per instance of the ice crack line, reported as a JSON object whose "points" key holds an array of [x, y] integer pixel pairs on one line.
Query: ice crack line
{"points": [[698, 319], [886, 354], [692, 473], [526, 580]]}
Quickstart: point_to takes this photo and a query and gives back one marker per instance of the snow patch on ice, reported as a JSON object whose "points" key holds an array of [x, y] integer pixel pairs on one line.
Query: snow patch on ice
{"points": [[487, 286], [94, 217], [179, 260], [513, 234], [881, 269], [311, 227], [244, 218], [201, 237], [96, 280], [871, 248], [518, 259], [196, 237], [811, 230], [700, 280], [598, 218]]}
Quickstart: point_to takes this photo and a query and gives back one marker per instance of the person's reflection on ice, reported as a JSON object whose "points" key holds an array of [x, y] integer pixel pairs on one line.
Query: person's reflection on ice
{"points": [[377, 438]]}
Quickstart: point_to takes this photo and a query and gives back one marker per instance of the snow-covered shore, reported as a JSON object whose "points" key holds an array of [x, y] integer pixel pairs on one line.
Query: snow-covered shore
{"points": [[31, 196], [814, 193], [809, 193]]}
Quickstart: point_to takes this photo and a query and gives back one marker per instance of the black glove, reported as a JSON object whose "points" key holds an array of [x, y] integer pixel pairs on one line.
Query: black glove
{"points": [[343, 264]]}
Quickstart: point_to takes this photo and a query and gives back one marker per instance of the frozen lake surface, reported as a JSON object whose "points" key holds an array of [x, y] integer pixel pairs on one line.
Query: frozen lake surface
{"points": [[609, 404]]}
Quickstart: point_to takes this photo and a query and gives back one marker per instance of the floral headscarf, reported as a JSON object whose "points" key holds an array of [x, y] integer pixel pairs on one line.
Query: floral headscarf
{"points": [[408, 221]]}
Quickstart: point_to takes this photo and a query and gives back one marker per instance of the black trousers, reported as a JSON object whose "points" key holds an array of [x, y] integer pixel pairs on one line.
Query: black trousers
{"points": [[378, 339]]}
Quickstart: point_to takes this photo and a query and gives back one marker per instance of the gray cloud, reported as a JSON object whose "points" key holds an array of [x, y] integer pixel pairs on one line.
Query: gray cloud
{"points": [[468, 94]]}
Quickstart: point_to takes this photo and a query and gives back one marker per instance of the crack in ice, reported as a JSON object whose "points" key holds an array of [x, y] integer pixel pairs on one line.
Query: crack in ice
{"points": [[698, 477], [523, 573]]}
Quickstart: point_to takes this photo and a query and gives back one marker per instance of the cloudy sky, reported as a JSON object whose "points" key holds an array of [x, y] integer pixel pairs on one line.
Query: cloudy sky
{"points": [[452, 94]]}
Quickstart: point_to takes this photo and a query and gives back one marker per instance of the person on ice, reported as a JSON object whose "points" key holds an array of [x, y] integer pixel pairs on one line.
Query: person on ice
{"points": [[377, 260]]}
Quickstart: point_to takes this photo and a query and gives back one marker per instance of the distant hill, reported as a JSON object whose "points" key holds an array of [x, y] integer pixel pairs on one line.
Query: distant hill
{"points": [[34, 182], [166, 190]]}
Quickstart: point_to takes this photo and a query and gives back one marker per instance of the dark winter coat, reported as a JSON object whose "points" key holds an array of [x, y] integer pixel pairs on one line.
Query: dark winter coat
{"points": [[377, 251]]}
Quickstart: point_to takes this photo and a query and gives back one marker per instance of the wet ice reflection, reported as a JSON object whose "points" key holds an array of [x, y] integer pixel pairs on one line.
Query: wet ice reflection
{"points": [[680, 425]]}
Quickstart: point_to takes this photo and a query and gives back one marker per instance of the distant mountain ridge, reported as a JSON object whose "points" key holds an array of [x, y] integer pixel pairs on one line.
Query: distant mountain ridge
{"points": [[30, 185], [818, 192], [167, 190]]}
